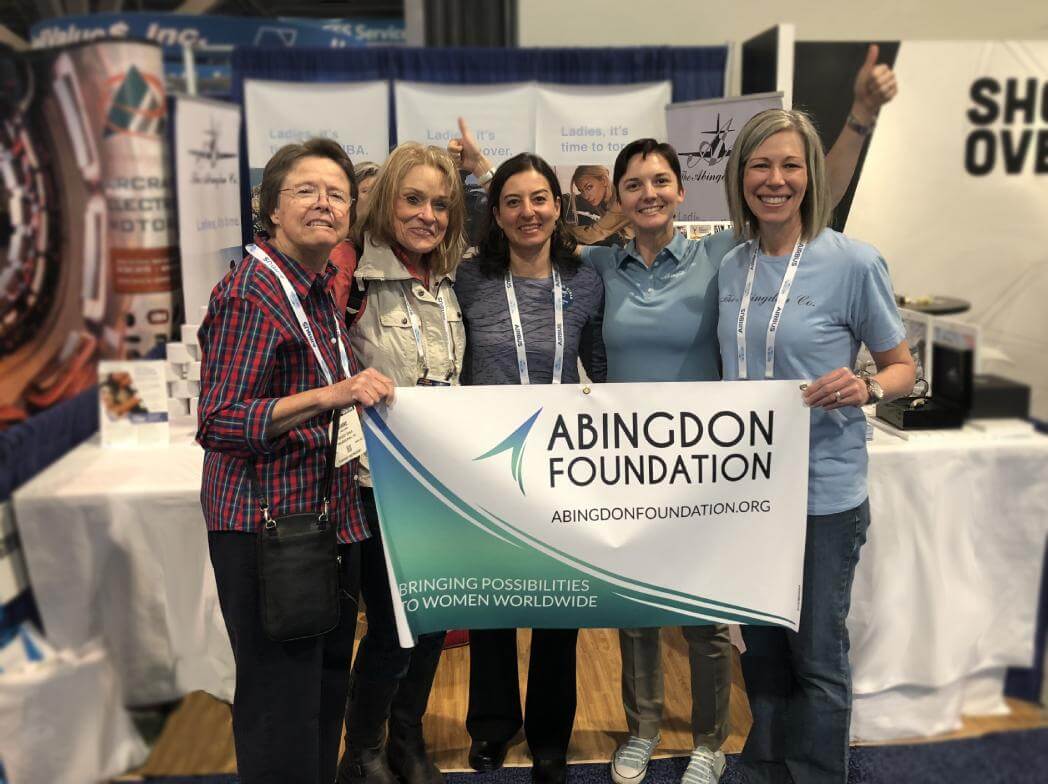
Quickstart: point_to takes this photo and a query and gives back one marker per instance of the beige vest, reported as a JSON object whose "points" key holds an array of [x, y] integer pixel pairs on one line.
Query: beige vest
{"points": [[382, 338]]}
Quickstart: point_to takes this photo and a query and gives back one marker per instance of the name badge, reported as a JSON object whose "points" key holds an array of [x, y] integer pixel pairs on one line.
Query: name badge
{"points": [[431, 382], [350, 444]]}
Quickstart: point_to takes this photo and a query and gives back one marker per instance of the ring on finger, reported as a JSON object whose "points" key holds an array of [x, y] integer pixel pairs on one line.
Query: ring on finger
{"points": [[837, 395]]}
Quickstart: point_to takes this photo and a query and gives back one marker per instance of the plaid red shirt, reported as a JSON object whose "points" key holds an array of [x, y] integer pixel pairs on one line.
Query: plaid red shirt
{"points": [[253, 353]]}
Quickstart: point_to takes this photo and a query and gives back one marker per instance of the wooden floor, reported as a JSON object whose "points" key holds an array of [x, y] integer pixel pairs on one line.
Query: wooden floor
{"points": [[197, 737]]}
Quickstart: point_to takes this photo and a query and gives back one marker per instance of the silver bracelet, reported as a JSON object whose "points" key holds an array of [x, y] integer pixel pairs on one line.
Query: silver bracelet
{"points": [[486, 177]]}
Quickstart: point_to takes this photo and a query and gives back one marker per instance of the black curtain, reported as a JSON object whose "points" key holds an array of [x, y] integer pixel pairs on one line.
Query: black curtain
{"points": [[470, 22], [695, 72]]}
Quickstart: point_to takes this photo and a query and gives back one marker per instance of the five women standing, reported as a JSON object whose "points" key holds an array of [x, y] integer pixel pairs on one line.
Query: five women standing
{"points": [[529, 313]]}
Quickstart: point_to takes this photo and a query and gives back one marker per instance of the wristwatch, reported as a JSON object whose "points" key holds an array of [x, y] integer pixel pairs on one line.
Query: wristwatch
{"points": [[863, 129], [874, 391]]}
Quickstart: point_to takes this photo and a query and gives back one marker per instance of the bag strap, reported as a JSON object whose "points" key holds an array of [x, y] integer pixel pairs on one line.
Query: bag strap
{"points": [[358, 292], [329, 476]]}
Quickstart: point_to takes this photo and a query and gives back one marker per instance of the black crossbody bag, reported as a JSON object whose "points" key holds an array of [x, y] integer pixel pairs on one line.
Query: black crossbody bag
{"points": [[298, 564]]}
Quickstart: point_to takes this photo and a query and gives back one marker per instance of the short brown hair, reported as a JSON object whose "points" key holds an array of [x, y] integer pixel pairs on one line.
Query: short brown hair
{"points": [[284, 160], [644, 148], [377, 222]]}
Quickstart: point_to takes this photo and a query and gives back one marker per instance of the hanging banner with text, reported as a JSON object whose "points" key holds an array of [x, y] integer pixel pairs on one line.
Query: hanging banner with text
{"points": [[207, 168], [703, 133], [584, 124], [990, 157], [580, 130], [90, 262], [354, 114], [608, 506], [501, 116]]}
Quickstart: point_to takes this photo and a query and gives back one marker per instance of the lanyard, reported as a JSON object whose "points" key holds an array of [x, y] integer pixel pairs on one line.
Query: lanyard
{"points": [[776, 315], [518, 328], [300, 314], [420, 344]]}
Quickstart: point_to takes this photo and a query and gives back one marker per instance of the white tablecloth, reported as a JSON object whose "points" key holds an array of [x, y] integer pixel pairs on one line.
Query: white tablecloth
{"points": [[945, 595], [116, 547]]}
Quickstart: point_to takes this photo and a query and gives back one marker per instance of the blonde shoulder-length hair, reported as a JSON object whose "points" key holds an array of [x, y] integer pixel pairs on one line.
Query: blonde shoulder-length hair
{"points": [[377, 221], [816, 207]]}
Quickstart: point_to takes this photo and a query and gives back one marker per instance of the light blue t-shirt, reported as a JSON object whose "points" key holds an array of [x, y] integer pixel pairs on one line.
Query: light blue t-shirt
{"points": [[841, 297], [660, 323]]}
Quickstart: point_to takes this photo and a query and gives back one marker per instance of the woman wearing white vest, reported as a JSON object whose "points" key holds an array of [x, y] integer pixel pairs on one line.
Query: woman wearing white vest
{"points": [[408, 325]]}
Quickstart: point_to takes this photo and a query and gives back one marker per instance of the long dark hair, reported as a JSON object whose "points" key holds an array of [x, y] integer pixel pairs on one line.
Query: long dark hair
{"points": [[494, 247]]}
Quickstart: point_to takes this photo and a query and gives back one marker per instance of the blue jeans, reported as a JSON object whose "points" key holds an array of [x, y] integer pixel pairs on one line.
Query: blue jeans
{"points": [[799, 683]]}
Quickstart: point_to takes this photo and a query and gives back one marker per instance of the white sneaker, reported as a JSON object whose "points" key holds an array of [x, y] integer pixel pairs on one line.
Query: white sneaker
{"points": [[630, 763], [704, 767]]}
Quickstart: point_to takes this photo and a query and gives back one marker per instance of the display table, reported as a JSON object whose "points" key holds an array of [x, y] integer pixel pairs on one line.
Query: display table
{"points": [[116, 548], [945, 595]]}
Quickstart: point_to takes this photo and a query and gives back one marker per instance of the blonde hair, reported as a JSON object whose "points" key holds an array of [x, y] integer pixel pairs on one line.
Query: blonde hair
{"points": [[816, 207], [377, 221], [599, 173]]}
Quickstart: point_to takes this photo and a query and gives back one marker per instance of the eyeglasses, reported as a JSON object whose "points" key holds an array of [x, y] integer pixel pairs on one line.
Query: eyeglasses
{"points": [[310, 194]]}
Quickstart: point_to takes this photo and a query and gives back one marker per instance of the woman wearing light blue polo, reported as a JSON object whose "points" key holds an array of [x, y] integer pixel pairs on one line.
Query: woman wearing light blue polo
{"points": [[796, 301]]}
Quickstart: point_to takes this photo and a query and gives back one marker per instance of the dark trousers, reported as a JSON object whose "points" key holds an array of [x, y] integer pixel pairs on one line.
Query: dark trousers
{"points": [[289, 696], [799, 683], [390, 684], [494, 695]]}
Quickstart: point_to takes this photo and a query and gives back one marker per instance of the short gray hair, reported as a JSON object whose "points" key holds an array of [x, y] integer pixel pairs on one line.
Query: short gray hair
{"points": [[817, 205]]}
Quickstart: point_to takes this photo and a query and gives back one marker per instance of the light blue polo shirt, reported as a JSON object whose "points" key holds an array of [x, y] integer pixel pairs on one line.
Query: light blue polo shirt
{"points": [[660, 323], [841, 296]]}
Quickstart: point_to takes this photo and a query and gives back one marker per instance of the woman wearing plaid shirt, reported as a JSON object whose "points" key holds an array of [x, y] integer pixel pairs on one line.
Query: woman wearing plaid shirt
{"points": [[265, 398]]}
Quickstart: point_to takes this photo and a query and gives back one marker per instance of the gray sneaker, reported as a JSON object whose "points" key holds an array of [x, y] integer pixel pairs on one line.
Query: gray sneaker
{"points": [[704, 767], [630, 763]]}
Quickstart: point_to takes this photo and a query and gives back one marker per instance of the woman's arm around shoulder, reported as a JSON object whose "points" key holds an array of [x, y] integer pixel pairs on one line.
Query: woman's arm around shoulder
{"points": [[592, 351]]}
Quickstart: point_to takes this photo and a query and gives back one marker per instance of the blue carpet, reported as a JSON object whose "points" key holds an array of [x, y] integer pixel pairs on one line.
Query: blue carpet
{"points": [[999, 758]]}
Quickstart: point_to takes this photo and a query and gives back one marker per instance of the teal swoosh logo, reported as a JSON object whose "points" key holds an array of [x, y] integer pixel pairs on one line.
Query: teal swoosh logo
{"points": [[514, 444]]}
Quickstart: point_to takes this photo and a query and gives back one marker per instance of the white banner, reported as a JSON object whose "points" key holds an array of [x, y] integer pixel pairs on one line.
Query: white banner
{"points": [[354, 114], [703, 133], [609, 505], [580, 131], [207, 167], [589, 125], [954, 193], [501, 116]]}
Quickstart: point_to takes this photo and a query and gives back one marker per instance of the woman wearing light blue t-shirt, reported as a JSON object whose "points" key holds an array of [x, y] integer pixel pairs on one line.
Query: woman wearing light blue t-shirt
{"points": [[827, 294]]}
